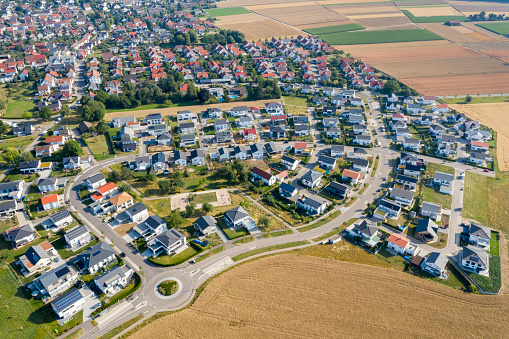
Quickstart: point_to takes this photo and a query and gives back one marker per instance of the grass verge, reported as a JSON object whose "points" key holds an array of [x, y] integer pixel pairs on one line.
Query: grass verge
{"points": [[268, 249]]}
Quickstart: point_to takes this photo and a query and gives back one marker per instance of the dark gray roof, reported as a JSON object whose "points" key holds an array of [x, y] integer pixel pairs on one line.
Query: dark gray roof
{"points": [[220, 122], [95, 254], [96, 178], [236, 213], [224, 135], [400, 193], [366, 229], [412, 141], [437, 259], [390, 205], [161, 127], [205, 221], [431, 206], [301, 127], [21, 232], [289, 159], [164, 136], [63, 214], [76, 232], [158, 157], [115, 272], [443, 176], [187, 137], [8, 206], [340, 187], [170, 237], [359, 150], [154, 221], [407, 178], [326, 160], [427, 225], [271, 147], [36, 253], [143, 158], [154, 116], [311, 202], [48, 278], [312, 176], [287, 187], [256, 148], [338, 148], [186, 125], [361, 162], [29, 164], [475, 255], [136, 208], [479, 231]]}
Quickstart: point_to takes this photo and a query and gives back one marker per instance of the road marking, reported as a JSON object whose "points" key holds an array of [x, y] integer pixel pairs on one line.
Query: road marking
{"points": [[193, 272]]}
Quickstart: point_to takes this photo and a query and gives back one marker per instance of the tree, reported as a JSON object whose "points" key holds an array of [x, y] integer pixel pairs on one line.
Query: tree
{"points": [[93, 111], [3, 127], [150, 177], [190, 208], [3, 104], [72, 148], [126, 173], [27, 115], [206, 207], [114, 176], [175, 219], [468, 99], [203, 95], [27, 156], [392, 86], [45, 113], [10, 155], [102, 127], [65, 110], [165, 186], [264, 221]]}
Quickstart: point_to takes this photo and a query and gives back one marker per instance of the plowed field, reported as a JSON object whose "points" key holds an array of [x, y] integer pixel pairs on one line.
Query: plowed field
{"points": [[291, 296]]}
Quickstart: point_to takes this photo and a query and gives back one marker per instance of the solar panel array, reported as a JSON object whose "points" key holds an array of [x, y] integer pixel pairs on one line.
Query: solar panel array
{"points": [[68, 300]]}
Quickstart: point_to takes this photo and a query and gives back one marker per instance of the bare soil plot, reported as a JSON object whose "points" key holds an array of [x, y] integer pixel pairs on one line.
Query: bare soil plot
{"points": [[350, 2], [369, 8], [476, 7], [301, 16], [194, 109], [261, 28], [384, 22], [495, 116], [462, 84], [420, 3], [481, 30], [432, 11], [480, 36], [281, 5], [315, 298], [234, 3], [231, 19], [451, 33]]}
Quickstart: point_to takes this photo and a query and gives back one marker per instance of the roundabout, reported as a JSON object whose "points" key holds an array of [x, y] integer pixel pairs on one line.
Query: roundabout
{"points": [[168, 288]]}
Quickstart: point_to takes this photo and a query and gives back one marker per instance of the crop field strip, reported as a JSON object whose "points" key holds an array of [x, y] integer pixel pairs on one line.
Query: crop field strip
{"points": [[218, 12], [428, 19], [379, 37], [241, 3], [334, 29], [501, 28], [451, 33]]}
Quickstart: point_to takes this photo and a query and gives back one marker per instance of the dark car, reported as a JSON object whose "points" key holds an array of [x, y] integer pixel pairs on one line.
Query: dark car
{"points": [[122, 255]]}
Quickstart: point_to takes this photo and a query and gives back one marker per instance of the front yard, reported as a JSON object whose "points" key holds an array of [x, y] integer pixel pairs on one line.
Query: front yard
{"points": [[167, 260]]}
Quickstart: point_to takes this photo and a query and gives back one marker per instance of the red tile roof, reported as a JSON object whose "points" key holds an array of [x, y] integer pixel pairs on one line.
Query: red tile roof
{"points": [[351, 174], [49, 199], [106, 187], [258, 171], [399, 240]]}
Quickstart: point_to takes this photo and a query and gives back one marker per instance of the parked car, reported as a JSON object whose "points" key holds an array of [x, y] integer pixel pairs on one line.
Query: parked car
{"points": [[486, 170]]}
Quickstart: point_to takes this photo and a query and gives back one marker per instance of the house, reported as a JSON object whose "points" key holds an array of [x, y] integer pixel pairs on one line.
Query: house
{"points": [[435, 263], [289, 162], [409, 158], [50, 201], [61, 219], [137, 212], [340, 191], [214, 113], [479, 158], [121, 201], [186, 128], [312, 179], [327, 162], [95, 257], [330, 122], [312, 205], [12, 190], [220, 125], [69, 303], [479, 146], [279, 131], [154, 119], [22, 130], [267, 178], [415, 109], [250, 133], [170, 242], [8, 208], [359, 128], [165, 139], [224, 137], [238, 217], [412, 170], [426, 100], [435, 129], [240, 153], [158, 161], [141, 163], [408, 182], [56, 281], [155, 130], [352, 176], [402, 197], [187, 140], [244, 122], [206, 225], [365, 232], [398, 243], [257, 151], [360, 165], [77, 237], [45, 151], [274, 108], [333, 132], [95, 181], [184, 115], [389, 207], [239, 111], [431, 210], [287, 190], [301, 130], [474, 259], [19, 236], [113, 280], [37, 258], [479, 235], [330, 110], [413, 144], [478, 135], [427, 230], [301, 148], [34, 166], [337, 151], [48, 185], [122, 121], [150, 227], [271, 148], [73, 163], [362, 139], [441, 178]]}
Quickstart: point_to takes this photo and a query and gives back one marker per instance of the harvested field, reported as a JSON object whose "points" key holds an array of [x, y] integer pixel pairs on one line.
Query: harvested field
{"points": [[480, 37], [350, 2], [495, 116], [454, 34], [369, 8], [476, 7], [233, 3], [302, 16], [281, 5], [391, 28], [375, 16], [462, 84], [432, 11], [315, 297], [194, 109], [334, 29], [420, 3], [481, 30], [255, 27]]}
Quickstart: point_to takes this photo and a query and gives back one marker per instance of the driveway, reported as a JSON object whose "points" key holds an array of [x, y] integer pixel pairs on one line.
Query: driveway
{"points": [[90, 302]]}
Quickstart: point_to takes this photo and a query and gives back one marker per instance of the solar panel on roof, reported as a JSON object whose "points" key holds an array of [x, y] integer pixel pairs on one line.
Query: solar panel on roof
{"points": [[96, 253], [68, 300], [62, 272]]}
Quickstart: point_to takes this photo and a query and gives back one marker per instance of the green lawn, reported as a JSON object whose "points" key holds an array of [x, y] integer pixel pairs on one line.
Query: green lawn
{"points": [[185, 255], [205, 197], [15, 109], [495, 243], [211, 253], [475, 197], [99, 148], [334, 29], [295, 101], [18, 142], [268, 249], [432, 168], [501, 28], [23, 317], [230, 233], [429, 19], [432, 195], [60, 244], [377, 37], [476, 100], [494, 282], [322, 222], [120, 328], [152, 106], [215, 12]]}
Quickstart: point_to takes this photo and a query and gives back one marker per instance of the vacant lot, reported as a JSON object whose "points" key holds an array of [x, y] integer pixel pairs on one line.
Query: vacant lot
{"points": [[99, 148], [493, 115], [18, 142], [285, 287], [258, 27], [475, 198], [227, 11], [378, 37], [15, 109]]}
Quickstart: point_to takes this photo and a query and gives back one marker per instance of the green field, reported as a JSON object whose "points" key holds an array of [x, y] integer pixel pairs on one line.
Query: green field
{"points": [[97, 145], [475, 100], [334, 29], [378, 37], [432, 168], [501, 28], [268, 249], [18, 142], [295, 101], [227, 11], [17, 108], [430, 19], [475, 198], [432, 195]]}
